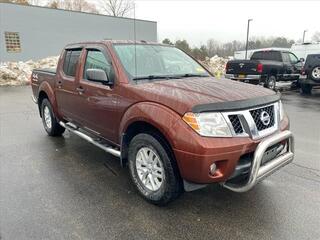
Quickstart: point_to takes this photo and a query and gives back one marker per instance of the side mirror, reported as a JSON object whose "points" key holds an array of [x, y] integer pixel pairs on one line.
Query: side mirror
{"points": [[97, 75], [301, 60]]}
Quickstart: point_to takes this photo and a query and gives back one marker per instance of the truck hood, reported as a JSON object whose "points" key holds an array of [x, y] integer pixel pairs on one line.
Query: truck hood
{"points": [[182, 95]]}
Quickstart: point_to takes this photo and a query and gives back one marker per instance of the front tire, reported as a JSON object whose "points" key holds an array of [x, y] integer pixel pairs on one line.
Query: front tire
{"points": [[49, 121], [153, 170]]}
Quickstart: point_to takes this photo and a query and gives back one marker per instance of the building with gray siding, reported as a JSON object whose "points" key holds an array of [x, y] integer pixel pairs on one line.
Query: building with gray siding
{"points": [[29, 32]]}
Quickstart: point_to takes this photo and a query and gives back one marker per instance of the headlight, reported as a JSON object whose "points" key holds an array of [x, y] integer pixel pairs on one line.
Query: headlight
{"points": [[208, 124], [281, 110]]}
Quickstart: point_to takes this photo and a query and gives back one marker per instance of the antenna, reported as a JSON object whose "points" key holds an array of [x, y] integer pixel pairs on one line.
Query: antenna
{"points": [[135, 38]]}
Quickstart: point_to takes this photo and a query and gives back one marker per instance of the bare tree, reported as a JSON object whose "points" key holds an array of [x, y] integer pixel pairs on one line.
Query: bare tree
{"points": [[74, 5], [119, 8]]}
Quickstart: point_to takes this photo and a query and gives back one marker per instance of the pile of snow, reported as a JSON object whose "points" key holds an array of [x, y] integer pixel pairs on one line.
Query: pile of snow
{"points": [[216, 65], [18, 73]]}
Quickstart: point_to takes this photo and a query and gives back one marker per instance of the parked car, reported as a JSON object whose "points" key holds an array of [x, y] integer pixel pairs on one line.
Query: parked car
{"points": [[265, 67], [310, 73], [166, 118]]}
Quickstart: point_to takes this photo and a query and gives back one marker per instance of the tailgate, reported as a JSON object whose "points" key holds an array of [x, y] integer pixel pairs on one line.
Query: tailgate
{"points": [[242, 67]]}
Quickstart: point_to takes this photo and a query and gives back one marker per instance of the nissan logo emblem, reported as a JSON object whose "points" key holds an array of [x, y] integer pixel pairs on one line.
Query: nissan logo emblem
{"points": [[241, 65], [265, 118]]}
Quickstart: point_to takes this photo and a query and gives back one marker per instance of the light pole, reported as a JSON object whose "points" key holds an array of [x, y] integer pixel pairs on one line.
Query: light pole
{"points": [[304, 34], [249, 20]]}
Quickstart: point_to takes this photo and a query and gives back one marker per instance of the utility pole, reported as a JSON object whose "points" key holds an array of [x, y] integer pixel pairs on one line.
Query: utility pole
{"points": [[304, 34], [249, 20]]}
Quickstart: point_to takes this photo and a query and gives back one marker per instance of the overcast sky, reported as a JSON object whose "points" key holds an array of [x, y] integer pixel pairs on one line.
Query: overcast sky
{"points": [[226, 20]]}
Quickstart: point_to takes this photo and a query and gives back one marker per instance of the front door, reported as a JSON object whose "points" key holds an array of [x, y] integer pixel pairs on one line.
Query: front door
{"points": [[99, 102]]}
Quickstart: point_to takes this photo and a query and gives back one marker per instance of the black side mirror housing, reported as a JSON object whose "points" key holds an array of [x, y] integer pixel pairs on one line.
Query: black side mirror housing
{"points": [[98, 75]]}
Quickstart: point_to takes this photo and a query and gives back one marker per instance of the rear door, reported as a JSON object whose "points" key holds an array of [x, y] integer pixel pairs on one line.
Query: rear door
{"points": [[66, 84], [99, 102]]}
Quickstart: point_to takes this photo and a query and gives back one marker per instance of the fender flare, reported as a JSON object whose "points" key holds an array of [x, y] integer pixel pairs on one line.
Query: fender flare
{"points": [[46, 87], [150, 113], [160, 117]]}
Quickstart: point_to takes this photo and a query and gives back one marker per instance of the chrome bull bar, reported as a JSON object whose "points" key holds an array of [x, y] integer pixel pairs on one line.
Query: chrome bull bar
{"points": [[258, 172]]}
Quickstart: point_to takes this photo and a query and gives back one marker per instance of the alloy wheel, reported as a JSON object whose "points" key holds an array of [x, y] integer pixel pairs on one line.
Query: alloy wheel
{"points": [[149, 168], [316, 73], [47, 117]]}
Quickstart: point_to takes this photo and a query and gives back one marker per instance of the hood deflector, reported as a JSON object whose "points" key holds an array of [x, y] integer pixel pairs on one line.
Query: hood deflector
{"points": [[236, 105]]}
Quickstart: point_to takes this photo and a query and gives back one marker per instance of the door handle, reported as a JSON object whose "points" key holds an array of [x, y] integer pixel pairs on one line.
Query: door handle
{"points": [[80, 90], [59, 84]]}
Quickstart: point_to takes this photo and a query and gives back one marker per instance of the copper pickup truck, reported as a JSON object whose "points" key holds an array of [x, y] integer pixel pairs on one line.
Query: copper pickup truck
{"points": [[174, 125]]}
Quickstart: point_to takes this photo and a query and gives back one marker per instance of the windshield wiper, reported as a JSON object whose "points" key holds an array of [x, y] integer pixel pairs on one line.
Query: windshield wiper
{"points": [[152, 77], [193, 75]]}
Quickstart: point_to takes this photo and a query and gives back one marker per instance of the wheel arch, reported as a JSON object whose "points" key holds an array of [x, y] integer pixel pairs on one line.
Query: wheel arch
{"points": [[151, 118], [141, 126], [42, 95], [274, 72], [46, 91]]}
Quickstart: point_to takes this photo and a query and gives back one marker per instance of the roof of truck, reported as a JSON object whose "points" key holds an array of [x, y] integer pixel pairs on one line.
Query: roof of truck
{"points": [[81, 44]]}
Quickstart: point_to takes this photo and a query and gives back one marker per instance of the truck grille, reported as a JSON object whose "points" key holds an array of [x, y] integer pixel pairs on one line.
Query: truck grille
{"points": [[254, 123], [256, 115], [236, 124]]}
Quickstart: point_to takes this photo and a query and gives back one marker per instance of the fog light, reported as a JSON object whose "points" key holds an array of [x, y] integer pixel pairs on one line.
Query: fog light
{"points": [[213, 168]]}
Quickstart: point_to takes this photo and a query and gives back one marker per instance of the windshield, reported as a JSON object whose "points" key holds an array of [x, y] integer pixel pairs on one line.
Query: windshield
{"points": [[144, 61]]}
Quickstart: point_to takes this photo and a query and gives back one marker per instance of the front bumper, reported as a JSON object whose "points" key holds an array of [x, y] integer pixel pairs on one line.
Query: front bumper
{"points": [[195, 154], [258, 171]]}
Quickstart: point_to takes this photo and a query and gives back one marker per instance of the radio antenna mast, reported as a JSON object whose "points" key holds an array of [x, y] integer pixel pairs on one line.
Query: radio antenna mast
{"points": [[135, 38]]}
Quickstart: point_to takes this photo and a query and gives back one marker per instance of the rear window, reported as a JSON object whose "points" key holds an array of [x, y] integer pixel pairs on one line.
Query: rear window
{"points": [[70, 62], [267, 55]]}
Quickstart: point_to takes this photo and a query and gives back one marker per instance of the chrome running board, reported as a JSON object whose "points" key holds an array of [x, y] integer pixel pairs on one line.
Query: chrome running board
{"points": [[74, 129]]}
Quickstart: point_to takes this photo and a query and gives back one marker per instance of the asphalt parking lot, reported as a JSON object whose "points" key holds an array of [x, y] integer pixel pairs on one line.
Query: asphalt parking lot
{"points": [[65, 188]]}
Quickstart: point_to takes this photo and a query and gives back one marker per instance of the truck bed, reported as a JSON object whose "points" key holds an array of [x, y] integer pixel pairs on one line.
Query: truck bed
{"points": [[45, 70], [42, 75]]}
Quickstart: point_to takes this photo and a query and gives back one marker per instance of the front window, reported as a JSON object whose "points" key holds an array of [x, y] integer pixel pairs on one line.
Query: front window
{"points": [[96, 60], [155, 61], [290, 58], [293, 58]]}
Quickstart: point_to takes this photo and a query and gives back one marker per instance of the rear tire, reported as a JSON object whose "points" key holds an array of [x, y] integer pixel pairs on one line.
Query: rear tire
{"points": [[153, 170], [306, 89], [50, 123], [271, 82]]}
